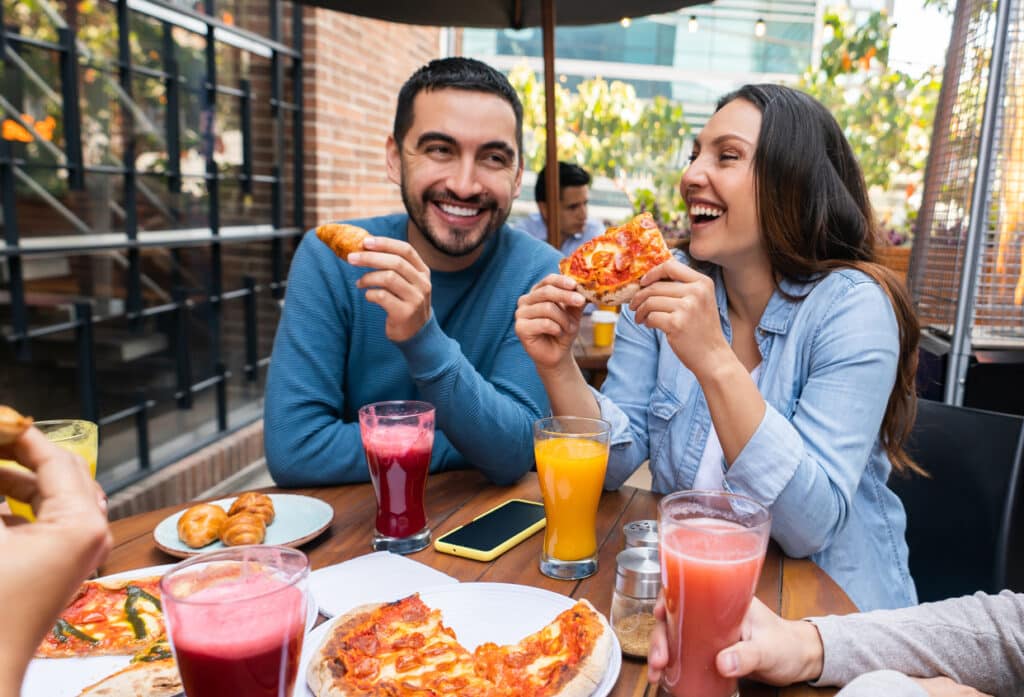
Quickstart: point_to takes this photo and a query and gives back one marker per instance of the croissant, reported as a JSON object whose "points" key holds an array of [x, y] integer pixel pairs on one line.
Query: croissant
{"points": [[12, 425], [243, 529], [342, 238], [201, 524], [254, 502]]}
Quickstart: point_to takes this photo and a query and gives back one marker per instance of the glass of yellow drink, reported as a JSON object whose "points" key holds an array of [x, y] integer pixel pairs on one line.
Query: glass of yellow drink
{"points": [[77, 435], [572, 456]]}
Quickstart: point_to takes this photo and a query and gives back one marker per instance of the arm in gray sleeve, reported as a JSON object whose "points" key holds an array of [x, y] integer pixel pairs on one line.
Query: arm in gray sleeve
{"points": [[890, 683], [977, 640]]}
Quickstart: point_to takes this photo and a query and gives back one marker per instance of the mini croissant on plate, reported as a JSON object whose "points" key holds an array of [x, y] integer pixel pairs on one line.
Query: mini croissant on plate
{"points": [[243, 529], [201, 524], [12, 424], [256, 503]]}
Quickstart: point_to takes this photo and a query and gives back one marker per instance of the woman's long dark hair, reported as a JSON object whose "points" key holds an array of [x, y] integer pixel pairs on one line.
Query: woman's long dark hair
{"points": [[815, 217]]}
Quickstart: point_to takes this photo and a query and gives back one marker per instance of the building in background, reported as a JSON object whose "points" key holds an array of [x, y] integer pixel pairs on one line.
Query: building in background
{"points": [[159, 162], [692, 56]]}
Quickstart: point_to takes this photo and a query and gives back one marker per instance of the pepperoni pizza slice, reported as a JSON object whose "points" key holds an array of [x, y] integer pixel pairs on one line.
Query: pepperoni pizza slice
{"points": [[608, 268]]}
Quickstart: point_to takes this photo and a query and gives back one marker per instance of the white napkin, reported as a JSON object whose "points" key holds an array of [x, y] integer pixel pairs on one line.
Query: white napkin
{"points": [[379, 577]]}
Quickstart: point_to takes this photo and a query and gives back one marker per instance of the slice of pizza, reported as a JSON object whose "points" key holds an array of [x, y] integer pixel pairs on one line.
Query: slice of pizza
{"points": [[343, 239], [608, 268], [394, 649], [567, 657], [117, 617], [152, 679]]}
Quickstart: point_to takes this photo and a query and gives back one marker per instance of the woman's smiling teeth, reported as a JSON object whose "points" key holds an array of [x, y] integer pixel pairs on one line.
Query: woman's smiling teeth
{"points": [[460, 211], [704, 211]]}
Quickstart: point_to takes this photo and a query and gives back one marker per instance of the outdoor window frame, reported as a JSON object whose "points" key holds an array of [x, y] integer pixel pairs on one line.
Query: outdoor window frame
{"points": [[132, 240]]}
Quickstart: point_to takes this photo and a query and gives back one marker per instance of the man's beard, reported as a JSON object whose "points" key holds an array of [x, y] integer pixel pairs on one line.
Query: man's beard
{"points": [[462, 242]]}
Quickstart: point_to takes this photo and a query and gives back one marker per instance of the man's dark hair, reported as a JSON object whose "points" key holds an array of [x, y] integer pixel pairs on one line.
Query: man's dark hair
{"points": [[459, 74], [568, 175]]}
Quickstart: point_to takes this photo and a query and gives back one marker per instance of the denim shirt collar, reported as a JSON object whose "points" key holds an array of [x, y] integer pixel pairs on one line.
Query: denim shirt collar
{"points": [[778, 314]]}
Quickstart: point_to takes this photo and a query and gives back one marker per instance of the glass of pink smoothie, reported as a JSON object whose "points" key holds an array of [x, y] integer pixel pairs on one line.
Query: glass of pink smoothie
{"points": [[398, 438], [236, 619], [712, 548]]}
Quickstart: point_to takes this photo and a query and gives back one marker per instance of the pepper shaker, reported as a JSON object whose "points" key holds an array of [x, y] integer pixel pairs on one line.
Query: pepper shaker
{"points": [[637, 582]]}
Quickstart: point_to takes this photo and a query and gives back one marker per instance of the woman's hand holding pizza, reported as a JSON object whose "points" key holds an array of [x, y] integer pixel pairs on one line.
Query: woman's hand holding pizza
{"points": [[680, 301], [400, 283], [548, 320]]}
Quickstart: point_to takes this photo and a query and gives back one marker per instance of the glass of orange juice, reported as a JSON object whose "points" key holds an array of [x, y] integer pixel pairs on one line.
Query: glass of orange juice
{"points": [[77, 435], [572, 456]]}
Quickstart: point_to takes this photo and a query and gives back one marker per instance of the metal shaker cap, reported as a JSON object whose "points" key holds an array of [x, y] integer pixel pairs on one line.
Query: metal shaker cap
{"points": [[641, 533], [638, 572]]}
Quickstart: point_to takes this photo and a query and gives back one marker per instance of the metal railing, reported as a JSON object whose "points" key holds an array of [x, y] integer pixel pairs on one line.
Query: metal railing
{"points": [[183, 305]]}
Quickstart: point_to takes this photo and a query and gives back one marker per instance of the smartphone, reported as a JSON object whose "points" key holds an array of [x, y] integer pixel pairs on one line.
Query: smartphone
{"points": [[495, 532]]}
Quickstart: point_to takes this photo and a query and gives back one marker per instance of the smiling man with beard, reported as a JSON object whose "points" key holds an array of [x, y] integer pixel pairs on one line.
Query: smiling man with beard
{"points": [[426, 311]]}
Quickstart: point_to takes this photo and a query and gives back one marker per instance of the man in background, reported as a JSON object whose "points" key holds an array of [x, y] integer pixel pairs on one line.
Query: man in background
{"points": [[574, 197]]}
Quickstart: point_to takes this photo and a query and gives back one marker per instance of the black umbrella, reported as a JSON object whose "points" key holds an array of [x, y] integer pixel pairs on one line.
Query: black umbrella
{"points": [[515, 14]]}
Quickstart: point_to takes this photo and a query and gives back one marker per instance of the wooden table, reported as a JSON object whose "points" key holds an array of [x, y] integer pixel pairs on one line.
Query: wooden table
{"points": [[593, 359], [794, 588]]}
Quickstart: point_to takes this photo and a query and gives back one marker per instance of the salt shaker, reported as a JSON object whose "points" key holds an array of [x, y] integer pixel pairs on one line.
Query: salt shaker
{"points": [[641, 533], [637, 581]]}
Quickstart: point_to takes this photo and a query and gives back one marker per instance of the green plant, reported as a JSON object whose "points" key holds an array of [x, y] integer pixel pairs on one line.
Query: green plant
{"points": [[605, 128], [886, 114]]}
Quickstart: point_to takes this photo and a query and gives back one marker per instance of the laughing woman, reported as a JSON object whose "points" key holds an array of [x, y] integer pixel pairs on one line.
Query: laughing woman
{"points": [[775, 359]]}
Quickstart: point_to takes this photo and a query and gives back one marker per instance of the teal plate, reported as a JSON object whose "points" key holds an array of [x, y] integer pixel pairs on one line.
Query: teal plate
{"points": [[297, 520]]}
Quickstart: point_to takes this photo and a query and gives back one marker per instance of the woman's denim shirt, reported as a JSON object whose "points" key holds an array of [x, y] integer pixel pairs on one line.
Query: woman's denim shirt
{"points": [[816, 459]]}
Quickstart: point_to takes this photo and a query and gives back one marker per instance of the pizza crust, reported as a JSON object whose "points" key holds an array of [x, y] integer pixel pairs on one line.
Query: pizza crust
{"points": [[591, 670], [320, 675], [620, 295], [155, 679]]}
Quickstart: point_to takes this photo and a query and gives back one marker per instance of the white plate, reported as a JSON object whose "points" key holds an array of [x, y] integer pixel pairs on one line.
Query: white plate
{"points": [[478, 612], [67, 677], [341, 587], [297, 520]]}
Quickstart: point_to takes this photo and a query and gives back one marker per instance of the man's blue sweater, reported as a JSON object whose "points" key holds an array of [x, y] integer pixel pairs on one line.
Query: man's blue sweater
{"points": [[331, 357]]}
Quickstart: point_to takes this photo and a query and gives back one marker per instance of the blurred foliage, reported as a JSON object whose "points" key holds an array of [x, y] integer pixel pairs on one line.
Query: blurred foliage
{"points": [[886, 114], [606, 129]]}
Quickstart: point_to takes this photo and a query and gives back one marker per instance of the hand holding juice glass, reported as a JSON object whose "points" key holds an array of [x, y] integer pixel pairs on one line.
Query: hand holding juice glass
{"points": [[398, 438], [236, 619], [572, 456], [76, 435], [712, 548]]}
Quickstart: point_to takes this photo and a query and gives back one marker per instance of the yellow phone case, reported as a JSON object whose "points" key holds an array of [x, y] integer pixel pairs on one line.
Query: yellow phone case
{"points": [[488, 554]]}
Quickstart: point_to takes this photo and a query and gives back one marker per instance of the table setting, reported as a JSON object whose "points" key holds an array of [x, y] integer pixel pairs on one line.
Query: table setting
{"points": [[275, 613]]}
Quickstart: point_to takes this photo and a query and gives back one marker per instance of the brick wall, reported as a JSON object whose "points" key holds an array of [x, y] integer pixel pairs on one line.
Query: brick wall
{"points": [[353, 70]]}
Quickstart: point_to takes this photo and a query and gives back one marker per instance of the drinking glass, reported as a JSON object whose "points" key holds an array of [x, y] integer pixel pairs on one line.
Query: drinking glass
{"points": [[398, 438], [77, 435], [236, 619], [712, 549], [572, 456]]}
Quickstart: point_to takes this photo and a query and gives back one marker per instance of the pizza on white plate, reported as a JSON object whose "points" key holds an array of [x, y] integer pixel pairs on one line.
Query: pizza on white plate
{"points": [[404, 649]]}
